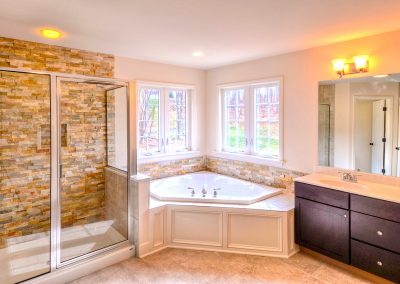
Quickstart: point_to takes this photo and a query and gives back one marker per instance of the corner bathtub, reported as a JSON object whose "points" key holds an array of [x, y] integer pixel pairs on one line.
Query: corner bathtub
{"points": [[210, 187]]}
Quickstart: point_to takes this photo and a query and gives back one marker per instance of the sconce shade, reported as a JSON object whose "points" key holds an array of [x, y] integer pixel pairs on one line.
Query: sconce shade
{"points": [[361, 62], [338, 64]]}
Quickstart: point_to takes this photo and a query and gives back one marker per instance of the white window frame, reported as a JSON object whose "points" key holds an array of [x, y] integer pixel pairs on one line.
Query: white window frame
{"points": [[165, 153], [250, 154]]}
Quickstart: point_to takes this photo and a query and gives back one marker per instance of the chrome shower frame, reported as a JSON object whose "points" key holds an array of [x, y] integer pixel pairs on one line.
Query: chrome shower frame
{"points": [[55, 156]]}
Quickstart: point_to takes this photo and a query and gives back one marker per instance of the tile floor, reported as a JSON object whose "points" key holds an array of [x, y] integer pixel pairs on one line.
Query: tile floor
{"points": [[190, 266]]}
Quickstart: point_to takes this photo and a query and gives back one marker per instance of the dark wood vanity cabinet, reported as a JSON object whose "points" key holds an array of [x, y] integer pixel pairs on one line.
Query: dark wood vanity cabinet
{"points": [[358, 230], [319, 225], [375, 236]]}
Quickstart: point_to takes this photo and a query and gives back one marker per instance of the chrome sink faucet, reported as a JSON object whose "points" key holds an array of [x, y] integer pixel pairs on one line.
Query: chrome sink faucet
{"points": [[349, 176]]}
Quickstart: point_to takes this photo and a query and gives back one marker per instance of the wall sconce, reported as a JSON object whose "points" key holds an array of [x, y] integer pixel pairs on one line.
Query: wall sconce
{"points": [[359, 65]]}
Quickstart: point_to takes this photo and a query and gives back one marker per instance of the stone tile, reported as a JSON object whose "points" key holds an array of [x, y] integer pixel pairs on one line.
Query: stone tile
{"points": [[334, 275], [191, 266], [304, 262]]}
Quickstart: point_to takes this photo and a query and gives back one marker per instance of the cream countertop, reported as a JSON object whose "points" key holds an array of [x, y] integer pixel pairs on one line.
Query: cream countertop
{"points": [[364, 188]]}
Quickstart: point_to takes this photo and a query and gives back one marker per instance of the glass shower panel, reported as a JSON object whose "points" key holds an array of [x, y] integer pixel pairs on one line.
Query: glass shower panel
{"points": [[117, 128], [94, 200], [24, 176]]}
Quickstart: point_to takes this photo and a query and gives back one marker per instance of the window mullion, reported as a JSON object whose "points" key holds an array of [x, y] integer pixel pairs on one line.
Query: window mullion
{"points": [[163, 121], [223, 116], [252, 121], [247, 96]]}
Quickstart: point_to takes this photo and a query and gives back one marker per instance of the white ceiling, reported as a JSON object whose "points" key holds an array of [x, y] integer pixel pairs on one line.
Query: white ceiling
{"points": [[227, 31]]}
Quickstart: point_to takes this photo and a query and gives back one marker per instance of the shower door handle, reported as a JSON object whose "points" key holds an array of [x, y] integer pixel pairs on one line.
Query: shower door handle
{"points": [[60, 169]]}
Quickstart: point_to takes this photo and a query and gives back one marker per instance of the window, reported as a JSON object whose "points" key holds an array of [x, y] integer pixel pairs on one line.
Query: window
{"points": [[252, 119], [163, 120]]}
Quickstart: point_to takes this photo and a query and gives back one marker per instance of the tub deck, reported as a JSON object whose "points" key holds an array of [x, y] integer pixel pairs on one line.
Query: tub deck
{"points": [[283, 202]]}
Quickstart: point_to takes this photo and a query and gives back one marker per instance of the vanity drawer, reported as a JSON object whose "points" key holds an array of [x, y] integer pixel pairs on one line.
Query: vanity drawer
{"points": [[375, 207], [375, 260], [323, 195], [376, 231]]}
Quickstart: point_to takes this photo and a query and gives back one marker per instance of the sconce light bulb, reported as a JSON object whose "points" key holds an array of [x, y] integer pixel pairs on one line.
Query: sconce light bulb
{"points": [[361, 62], [338, 65]]}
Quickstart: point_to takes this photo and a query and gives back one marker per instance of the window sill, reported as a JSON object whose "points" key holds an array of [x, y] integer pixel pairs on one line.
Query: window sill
{"points": [[168, 157], [249, 158]]}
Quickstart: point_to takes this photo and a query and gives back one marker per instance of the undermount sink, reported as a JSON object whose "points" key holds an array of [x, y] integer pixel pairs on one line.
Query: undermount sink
{"points": [[343, 184]]}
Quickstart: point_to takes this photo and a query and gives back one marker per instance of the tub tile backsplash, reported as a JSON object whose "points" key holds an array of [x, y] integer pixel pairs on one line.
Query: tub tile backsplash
{"points": [[271, 176], [171, 168]]}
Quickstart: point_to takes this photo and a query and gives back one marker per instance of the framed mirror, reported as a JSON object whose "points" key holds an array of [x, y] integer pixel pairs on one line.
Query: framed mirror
{"points": [[358, 124]]}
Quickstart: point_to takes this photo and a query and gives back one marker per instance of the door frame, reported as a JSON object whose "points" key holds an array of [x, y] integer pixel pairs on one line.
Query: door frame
{"points": [[391, 120], [58, 166]]}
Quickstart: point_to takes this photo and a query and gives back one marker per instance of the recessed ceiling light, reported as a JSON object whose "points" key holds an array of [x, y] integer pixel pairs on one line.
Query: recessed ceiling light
{"points": [[197, 54], [381, 76], [50, 33]]}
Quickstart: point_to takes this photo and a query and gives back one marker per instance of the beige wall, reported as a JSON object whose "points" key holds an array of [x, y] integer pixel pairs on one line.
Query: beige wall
{"points": [[131, 69], [301, 72]]}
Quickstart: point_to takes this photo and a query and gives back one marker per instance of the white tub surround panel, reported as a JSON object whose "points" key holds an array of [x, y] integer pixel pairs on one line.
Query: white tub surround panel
{"points": [[140, 185], [389, 191], [230, 229]]}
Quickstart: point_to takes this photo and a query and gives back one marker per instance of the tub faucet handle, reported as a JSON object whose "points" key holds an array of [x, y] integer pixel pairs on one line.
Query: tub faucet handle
{"points": [[215, 191], [204, 192], [192, 190]]}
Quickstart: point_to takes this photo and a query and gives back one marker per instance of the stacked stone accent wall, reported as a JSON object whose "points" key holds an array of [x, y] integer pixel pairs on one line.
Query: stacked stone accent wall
{"points": [[29, 55], [271, 176], [268, 175], [24, 154], [83, 153], [172, 168]]}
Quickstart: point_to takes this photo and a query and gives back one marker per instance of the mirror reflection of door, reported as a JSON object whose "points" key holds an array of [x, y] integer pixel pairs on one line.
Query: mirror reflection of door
{"points": [[372, 135], [354, 131]]}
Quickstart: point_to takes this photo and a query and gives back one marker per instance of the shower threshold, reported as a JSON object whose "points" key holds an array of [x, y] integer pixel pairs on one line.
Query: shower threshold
{"points": [[29, 256]]}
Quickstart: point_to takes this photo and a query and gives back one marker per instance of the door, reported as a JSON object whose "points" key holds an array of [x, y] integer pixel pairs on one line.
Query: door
{"points": [[323, 228], [25, 175], [93, 167], [377, 135]]}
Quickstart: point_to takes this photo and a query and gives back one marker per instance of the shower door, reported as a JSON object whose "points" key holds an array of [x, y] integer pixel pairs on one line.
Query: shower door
{"points": [[93, 187], [64, 144], [25, 175]]}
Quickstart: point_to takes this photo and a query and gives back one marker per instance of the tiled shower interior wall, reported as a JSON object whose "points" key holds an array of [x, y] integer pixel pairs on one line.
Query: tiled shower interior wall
{"points": [[83, 153], [24, 154]]}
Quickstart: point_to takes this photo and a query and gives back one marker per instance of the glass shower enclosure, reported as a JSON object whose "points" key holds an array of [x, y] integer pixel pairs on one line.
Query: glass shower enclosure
{"points": [[64, 167]]}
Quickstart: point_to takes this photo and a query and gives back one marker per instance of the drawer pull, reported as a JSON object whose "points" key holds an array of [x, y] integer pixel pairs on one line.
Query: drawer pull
{"points": [[379, 263], [379, 233], [345, 216]]}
